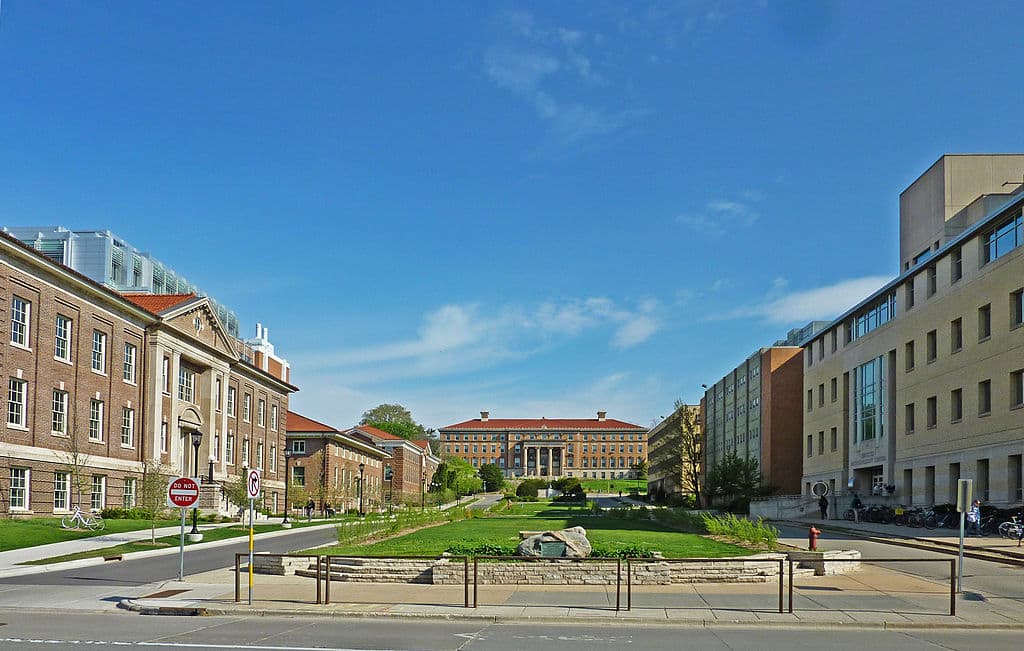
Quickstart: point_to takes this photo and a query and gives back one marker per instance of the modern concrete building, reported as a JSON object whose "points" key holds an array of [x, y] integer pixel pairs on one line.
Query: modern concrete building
{"points": [[666, 463], [599, 447], [920, 384], [102, 387], [754, 412]]}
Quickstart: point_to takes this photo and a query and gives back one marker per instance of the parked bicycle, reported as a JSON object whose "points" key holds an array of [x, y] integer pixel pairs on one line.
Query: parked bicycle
{"points": [[1012, 528], [80, 519]]}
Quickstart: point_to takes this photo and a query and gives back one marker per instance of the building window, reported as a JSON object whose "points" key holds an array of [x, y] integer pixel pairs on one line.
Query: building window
{"points": [[216, 446], [834, 389], [186, 385], [20, 313], [869, 400], [62, 339], [259, 455], [59, 415], [956, 265], [229, 449], [245, 452], [273, 417], [273, 459], [810, 446], [908, 293], [834, 435], [61, 491], [163, 437], [95, 420], [908, 418], [165, 371], [1017, 308], [956, 405], [217, 390], [810, 361], [16, 402], [810, 399], [835, 340], [931, 346], [821, 442], [956, 335], [821, 394], [984, 397], [246, 407], [99, 351], [908, 355], [984, 322], [298, 476], [231, 402], [932, 412], [1017, 389], [129, 363], [879, 314], [261, 412], [1002, 239], [99, 493], [127, 427], [128, 497], [932, 281], [19, 489]]}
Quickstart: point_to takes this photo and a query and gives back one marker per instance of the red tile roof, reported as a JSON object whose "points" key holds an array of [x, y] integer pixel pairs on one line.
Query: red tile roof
{"points": [[157, 303], [561, 424], [299, 423], [422, 443], [379, 433]]}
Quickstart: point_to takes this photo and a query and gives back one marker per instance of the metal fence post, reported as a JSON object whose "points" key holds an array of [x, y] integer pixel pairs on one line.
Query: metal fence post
{"points": [[629, 584], [618, 584], [238, 587], [327, 587], [781, 581], [476, 582], [319, 595], [790, 586], [465, 578], [952, 587]]}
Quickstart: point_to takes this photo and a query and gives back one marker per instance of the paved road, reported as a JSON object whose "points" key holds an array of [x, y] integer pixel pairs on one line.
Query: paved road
{"points": [[69, 631], [162, 568]]}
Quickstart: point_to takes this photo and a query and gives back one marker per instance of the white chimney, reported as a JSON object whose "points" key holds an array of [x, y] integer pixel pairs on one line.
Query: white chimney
{"points": [[484, 415], [601, 415]]}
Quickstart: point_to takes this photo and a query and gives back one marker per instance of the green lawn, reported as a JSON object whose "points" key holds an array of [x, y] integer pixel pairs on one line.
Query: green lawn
{"points": [[17, 534], [613, 485], [604, 530]]}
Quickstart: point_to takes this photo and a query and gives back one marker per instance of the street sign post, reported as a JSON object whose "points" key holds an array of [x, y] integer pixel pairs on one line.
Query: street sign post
{"points": [[182, 493], [252, 489]]}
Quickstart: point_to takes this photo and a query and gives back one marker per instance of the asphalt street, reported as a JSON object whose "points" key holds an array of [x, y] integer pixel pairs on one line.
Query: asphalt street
{"points": [[68, 631]]}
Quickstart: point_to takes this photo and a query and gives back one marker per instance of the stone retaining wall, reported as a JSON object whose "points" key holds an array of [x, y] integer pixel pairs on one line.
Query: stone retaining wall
{"points": [[280, 565], [819, 561]]}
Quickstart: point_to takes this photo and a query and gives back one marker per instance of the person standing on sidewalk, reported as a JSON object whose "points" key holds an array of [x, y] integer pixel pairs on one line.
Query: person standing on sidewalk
{"points": [[856, 505], [823, 506], [974, 518]]}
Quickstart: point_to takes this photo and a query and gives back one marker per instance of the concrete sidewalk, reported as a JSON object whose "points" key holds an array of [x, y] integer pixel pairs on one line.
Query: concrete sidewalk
{"points": [[872, 597]]}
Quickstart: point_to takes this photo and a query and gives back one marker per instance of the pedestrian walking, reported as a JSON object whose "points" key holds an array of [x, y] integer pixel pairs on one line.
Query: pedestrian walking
{"points": [[823, 506], [856, 506], [974, 518]]}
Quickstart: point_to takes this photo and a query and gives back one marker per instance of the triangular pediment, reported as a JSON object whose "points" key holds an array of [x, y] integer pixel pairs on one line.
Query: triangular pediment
{"points": [[197, 320]]}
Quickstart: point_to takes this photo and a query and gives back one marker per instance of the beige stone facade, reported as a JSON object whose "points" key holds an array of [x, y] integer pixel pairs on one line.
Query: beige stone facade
{"points": [[921, 385]]}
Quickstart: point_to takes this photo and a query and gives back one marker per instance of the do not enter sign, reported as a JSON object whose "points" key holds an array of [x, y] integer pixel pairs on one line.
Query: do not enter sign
{"points": [[182, 492]]}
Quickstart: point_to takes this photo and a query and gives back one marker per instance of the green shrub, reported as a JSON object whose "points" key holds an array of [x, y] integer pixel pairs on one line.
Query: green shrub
{"points": [[482, 549], [622, 550], [126, 514], [742, 529], [529, 487]]}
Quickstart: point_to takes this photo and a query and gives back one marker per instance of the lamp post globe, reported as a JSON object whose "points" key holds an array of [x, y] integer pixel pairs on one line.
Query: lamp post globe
{"points": [[362, 468], [197, 439], [287, 482]]}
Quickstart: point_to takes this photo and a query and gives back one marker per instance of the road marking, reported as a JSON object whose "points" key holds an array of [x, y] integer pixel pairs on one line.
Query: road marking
{"points": [[177, 645]]}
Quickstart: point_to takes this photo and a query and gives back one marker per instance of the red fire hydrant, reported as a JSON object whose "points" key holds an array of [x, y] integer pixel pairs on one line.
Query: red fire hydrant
{"points": [[812, 539]]}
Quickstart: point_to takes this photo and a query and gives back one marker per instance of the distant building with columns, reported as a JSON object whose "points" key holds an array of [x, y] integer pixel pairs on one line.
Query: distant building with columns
{"points": [[601, 448]]}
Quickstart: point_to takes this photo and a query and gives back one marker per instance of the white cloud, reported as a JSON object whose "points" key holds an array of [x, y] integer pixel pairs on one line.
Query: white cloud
{"points": [[719, 216], [811, 304]]}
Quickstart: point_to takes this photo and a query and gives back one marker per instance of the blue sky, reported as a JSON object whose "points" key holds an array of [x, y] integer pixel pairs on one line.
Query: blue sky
{"points": [[537, 209]]}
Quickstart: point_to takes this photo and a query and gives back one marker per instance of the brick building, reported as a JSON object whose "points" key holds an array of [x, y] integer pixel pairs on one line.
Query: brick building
{"points": [[549, 447], [325, 466], [102, 386], [412, 463]]}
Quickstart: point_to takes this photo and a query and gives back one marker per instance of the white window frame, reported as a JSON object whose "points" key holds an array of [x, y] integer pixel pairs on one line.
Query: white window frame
{"points": [[232, 393], [218, 387], [273, 458], [216, 447], [128, 497], [19, 493], [273, 418], [58, 338], [59, 413], [261, 412], [99, 351], [247, 407], [21, 321], [229, 449], [61, 491], [186, 384], [245, 452], [96, 420], [164, 437], [130, 355], [98, 499], [259, 454], [127, 427], [299, 446], [17, 396]]}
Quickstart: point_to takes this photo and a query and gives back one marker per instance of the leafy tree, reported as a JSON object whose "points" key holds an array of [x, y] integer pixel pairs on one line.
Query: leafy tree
{"points": [[493, 476], [386, 413], [152, 492], [403, 429], [640, 470], [687, 465], [735, 479], [457, 475]]}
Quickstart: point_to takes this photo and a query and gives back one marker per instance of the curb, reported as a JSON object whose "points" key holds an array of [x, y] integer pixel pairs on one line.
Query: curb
{"points": [[201, 611]]}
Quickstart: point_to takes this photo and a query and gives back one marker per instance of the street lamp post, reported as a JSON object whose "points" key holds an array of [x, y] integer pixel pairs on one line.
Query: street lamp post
{"points": [[197, 440], [287, 481], [362, 468], [423, 491], [389, 478]]}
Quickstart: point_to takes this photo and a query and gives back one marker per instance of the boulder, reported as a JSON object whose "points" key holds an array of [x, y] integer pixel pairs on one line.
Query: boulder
{"points": [[568, 543]]}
